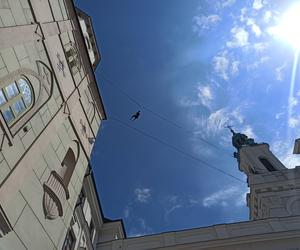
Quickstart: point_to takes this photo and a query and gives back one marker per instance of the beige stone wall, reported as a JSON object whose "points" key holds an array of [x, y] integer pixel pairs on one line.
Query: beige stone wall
{"points": [[67, 111], [271, 234]]}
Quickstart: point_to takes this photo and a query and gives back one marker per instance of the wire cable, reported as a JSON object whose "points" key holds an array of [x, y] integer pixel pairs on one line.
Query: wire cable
{"points": [[133, 100], [176, 149]]}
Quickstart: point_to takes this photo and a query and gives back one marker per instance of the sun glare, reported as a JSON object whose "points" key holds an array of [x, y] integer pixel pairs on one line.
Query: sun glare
{"points": [[288, 28]]}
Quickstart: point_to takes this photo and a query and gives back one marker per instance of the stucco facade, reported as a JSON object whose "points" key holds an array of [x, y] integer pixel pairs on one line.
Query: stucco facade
{"points": [[51, 111]]}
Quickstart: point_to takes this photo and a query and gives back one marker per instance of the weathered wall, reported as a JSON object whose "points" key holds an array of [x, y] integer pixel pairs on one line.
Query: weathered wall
{"points": [[66, 113]]}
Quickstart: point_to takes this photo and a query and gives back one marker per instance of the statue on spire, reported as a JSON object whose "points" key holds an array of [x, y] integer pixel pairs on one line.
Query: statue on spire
{"points": [[239, 140]]}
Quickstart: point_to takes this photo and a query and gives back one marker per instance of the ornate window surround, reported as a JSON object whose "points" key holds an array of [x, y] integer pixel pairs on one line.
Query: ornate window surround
{"points": [[13, 94], [42, 87]]}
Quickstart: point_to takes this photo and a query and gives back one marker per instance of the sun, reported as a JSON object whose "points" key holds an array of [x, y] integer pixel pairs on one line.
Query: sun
{"points": [[288, 28]]}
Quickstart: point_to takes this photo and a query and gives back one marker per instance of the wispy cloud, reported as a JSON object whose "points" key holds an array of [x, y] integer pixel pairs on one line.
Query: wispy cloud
{"points": [[218, 120], [141, 228], [223, 4], [254, 27], [233, 195], [204, 23], [294, 122], [258, 63], [279, 72], [205, 95], [126, 212], [257, 4], [267, 16], [221, 65], [239, 38], [248, 130], [260, 46], [142, 194], [235, 68], [283, 149]]}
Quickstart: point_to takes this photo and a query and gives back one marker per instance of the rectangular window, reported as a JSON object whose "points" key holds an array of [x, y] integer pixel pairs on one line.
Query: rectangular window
{"points": [[11, 90], [18, 106], [69, 241], [8, 115], [2, 98]]}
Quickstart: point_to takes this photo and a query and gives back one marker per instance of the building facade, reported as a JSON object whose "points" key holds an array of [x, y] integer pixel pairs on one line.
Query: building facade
{"points": [[51, 111], [50, 114]]}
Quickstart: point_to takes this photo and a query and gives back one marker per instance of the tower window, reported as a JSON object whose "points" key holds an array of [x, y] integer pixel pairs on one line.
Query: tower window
{"points": [[69, 241], [15, 99], [267, 164]]}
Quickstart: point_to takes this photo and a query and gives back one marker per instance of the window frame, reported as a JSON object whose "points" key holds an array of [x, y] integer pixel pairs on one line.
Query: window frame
{"points": [[10, 101]]}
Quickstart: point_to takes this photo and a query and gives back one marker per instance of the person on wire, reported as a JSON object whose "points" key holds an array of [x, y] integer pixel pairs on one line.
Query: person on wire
{"points": [[135, 116]]}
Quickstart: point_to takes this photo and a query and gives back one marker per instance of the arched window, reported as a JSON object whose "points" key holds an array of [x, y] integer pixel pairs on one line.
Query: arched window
{"points": [[267, 164], [15, 99]]}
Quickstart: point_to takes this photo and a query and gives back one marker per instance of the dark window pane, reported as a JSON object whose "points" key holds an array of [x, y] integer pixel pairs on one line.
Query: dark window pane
{"points": [[2, 98], [8, 115], [11, 90], [18, 106]]}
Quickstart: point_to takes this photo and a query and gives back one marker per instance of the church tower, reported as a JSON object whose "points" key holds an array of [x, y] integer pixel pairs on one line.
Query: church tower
{"points": [[274, 189]]}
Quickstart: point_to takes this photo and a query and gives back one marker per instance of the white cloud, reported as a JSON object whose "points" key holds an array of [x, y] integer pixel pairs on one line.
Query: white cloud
{"points": [[257, 4], [256, 30], [258, 63], [293, 122], [142, 194], [284, 151], [217, 121], [291, 160], [240, 38], [243, 16], [267, 16], [248, 130], [221, 65], [279, 72], [235, 68], [227, 3], [260, 47], [225, 65], [233, 195], [293, 101], [141, 228], [278, 115], [205, 95], [254, 27], [203, 23], [171, 210]]}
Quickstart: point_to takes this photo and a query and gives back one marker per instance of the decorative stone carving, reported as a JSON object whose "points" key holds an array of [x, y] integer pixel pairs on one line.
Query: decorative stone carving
{"points": [[55, 195], [5, 226], [56, 187], [61, 65], [73, 57]]}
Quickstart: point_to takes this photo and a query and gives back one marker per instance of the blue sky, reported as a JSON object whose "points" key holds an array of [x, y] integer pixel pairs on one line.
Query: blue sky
{"points": [[201, 64]]}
